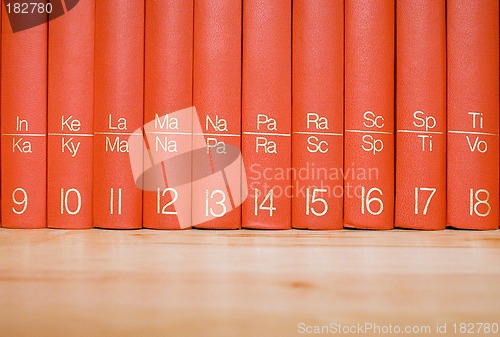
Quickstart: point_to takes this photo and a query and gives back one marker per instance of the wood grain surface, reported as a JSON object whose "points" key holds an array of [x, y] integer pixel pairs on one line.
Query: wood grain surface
{"points": [[242, 283]]}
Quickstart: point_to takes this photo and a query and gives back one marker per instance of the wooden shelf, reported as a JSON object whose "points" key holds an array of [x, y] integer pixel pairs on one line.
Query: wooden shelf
{"points": [[241, 283]]}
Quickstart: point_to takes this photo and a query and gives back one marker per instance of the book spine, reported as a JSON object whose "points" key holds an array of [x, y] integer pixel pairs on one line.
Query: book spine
{"points": [[23, 125], [217, 98], [118, 111], [473, 114], [266, 113], [70, 118], [421, 114], [317, 113], [369, 114], [168, 88], [1, 5]]}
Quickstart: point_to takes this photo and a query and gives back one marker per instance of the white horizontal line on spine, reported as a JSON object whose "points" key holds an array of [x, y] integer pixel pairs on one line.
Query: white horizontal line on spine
{"points": [[473, 133], [24, 134], [370, 131], [166, 133], [118, 133], [189, 133], [218, 134], [71, 134], [317, 133], [422, 131], [267, 134]]}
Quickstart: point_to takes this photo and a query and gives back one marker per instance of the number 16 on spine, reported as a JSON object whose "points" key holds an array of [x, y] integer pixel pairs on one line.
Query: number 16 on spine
{"points": [[369, 118]]}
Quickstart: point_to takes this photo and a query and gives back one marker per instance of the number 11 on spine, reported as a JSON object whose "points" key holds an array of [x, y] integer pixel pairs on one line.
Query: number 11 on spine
{"points": [[118, 111]]}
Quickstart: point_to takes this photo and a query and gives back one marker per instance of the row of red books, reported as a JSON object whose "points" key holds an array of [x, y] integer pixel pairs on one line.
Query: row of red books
{"points": [[357, 113]]}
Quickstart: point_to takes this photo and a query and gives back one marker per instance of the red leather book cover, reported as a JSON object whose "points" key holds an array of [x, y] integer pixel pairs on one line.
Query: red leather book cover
{"points": [[266, 113], [473, 109], [118, 111], [0, 114], [318, 113], [421, 114], [168, 88], [70, 112], [369, 114], [23, 125], [217, 98]]}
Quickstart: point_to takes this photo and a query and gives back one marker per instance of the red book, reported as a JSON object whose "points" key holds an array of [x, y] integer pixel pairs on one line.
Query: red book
{"points": [[318, 113], [473, 109], [217, 98], [266, 113], [23, 125], [118, 111], [70, 111], [369, 114], [0, 113], [421, 114], [168, 88]]}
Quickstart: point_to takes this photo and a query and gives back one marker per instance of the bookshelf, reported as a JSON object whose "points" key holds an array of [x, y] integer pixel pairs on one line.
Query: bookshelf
{"points": [[241, 283], [259, 76]]}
